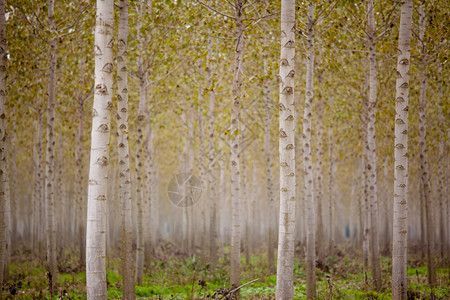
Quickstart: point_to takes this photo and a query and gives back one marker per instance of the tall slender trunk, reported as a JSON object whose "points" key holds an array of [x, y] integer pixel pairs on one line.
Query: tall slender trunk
{"points": [[99, 159], [425, 172], [287, 117], [201, 161], [123, 155], [148, 199], [331, 195], [244, 197], [400, 223], [269, 177], [41, 183], [8, 219], [366, 214], [319, 178], [235, 136], [386, 223], [50, 158], [140, 157], [442, 195], [79, 183], [371, 151], [211, 190], [307, 162], [3, 153]]}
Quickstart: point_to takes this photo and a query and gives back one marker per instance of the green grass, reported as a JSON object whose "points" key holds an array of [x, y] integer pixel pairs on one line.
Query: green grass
{"points": [[186, 278]]}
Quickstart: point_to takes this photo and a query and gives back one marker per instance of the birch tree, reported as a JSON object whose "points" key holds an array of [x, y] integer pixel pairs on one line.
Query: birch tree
{"points": [[141, 121], [235, 136], [100, 134], [286, 237], [400, 222], [52, 267], [123, 155], [424, 167], [3, 153], [269, 176], [371, 150], [307, 161]]}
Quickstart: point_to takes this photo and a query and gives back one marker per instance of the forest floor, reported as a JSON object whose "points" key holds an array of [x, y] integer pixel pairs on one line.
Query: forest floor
{"points": [[173, 276]]}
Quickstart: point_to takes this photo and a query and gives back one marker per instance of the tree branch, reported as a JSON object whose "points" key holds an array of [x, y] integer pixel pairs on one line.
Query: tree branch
{"points": [[215, 10]]}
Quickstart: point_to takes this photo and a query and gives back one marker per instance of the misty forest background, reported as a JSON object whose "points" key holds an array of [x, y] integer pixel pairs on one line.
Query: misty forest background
{"points": [[181, 85]]}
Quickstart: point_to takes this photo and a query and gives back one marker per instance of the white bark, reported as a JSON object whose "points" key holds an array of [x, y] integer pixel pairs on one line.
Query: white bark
{"points": [[123, 155], [235, 136], [140, 157], [211, 189], [50, 159], [99, 161], [371, 151], [269, 177], [307, 162], [424, 166], [286, 235], [79, 183], [400, 223]]}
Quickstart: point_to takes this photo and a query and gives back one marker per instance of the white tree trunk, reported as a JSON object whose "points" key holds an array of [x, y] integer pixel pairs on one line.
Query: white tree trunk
{"points": [[319, 178], [286, 235], [400, 223], [50, 158], [99, 161], [79, 183], [269, 177], [424, 166], [140, 157], [211, 189], [331, 196], [123, 155], [235, 136], [371, 151], [307, 162]]}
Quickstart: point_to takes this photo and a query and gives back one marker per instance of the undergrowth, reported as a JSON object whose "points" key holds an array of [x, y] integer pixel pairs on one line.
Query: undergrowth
{"points": [[174, 276]]}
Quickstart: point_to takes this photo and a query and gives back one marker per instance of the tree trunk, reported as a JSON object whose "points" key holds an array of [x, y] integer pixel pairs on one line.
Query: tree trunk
{"points": [[41, 183], [425, 172], [269, 176], [79, 183], [140, 157], [235, 136], [99, 161], [319, 178], [331, 196], [50, 158], [286, 235], [123, 155], [444, 229], [8, 219], [3, 153], [400, 223], [371, 151], [244, 197], [307, 162]]}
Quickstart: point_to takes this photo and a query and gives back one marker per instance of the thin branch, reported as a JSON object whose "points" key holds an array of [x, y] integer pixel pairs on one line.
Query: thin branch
{"points": [[77, 19], [263, 17], [215, 10], [239, 287], [320, 19], [164, 76]]}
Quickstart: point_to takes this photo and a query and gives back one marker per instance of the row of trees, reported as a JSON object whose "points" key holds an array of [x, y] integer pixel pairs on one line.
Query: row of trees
{"points": [[176, 54]]}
